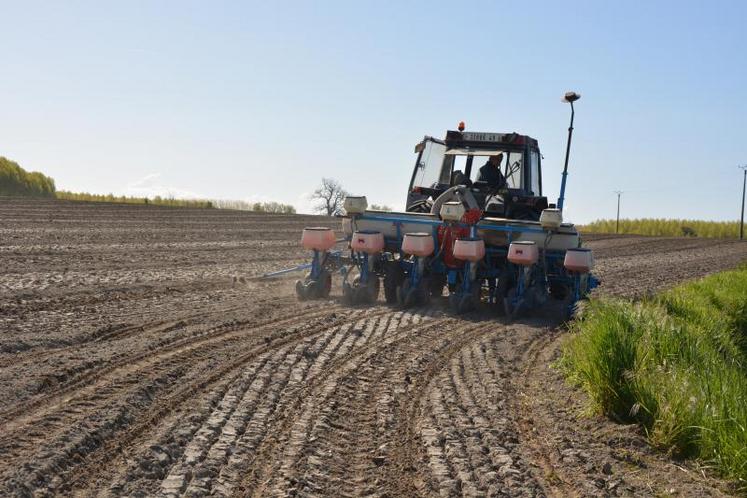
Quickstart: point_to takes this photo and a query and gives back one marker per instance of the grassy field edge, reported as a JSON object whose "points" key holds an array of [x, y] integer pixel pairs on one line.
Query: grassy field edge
{"points": [[675, 363]]}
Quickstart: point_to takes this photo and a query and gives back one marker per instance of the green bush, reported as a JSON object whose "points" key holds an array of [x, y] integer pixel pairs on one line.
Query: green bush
{"points": [[675, 363], [667, 228], [16, 181]]}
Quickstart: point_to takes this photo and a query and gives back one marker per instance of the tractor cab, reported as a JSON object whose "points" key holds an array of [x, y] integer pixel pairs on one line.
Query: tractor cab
{"points": [[501, 172]]}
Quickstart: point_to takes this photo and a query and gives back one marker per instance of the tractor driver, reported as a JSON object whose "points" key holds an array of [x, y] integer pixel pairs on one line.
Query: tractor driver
{"points": [[490, 172]]}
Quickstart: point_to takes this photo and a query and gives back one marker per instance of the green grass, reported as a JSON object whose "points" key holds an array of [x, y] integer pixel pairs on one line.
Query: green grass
{"points": [[667, 228], [675, 363]]}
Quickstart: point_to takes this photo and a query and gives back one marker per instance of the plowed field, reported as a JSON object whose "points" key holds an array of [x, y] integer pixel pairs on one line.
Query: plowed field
{"points": [[138, 357]]}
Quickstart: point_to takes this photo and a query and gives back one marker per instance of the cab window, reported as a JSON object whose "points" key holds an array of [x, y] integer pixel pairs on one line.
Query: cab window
{"points": [[534, 163], [514, 169], [428, 169]]}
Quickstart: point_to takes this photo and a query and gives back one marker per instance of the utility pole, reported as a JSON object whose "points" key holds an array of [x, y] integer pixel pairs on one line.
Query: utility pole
{"points": [[617, 225], [744, 185]]}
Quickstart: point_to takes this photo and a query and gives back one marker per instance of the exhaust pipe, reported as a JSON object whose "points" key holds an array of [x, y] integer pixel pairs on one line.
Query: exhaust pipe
{"points": [[569, 97]]}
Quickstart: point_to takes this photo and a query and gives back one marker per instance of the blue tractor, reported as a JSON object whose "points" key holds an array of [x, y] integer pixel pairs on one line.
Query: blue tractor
{"points": [[477, 226]]}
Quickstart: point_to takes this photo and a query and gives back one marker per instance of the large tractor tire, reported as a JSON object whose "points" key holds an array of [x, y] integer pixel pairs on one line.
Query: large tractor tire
{"points": [[511, 307], [462, 302], [393, 278], [506, 282], [409, 296], [438, 282], [559, 291]]}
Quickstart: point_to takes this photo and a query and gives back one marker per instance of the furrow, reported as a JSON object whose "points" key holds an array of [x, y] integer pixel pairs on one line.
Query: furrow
{"points": [[90, 381], [314, 410], [97, 430]]}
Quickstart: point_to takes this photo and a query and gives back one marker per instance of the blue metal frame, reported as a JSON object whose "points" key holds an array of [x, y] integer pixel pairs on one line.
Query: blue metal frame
{"points": [[492, 268], [316, 265], [398, 222]]}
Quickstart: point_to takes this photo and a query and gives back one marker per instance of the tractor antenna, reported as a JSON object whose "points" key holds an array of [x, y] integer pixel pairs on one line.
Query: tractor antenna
{"points": [[569, 97]]}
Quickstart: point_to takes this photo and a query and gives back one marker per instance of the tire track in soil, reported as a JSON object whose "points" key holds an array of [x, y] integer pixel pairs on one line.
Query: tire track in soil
{"points": [[331, 446], [120, 331], [284, 458], [282, 386], [453, 437], [78, 429], [556, 482], [89, 380], [214, 455]]}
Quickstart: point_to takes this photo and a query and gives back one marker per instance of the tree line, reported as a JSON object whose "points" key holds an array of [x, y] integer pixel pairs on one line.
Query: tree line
{"points": [[124, 199], [257, 207], [15, 181]]}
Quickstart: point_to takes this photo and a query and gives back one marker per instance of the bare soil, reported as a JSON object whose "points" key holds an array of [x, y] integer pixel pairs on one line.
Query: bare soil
{"points": [[139, 356]]}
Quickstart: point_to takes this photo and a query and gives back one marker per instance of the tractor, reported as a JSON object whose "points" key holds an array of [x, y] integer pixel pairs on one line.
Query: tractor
{"points": [[476, 225]]}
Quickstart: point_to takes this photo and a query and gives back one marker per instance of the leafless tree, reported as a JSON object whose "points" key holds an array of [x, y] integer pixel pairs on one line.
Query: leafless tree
{"points": [[329, 196]]}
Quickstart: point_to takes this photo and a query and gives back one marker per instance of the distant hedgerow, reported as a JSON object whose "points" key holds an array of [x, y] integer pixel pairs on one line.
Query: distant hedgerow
{"points": [[123, 199], [666, 228]]}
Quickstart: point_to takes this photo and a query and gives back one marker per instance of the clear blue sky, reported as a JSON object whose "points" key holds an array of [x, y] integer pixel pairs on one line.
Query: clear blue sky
{"points": [[258, 101]]}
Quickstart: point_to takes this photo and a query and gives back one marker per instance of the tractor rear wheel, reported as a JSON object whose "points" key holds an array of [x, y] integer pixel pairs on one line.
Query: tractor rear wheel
{"points": [[506, 282], [437, 285], [462, 302], [408, 296], [510, 305], [366, 293], [559, 291], [393, 277]]}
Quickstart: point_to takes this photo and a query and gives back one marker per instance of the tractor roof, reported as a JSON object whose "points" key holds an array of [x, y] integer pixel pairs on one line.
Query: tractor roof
{"points": [[481, 140], [486, 139]]}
